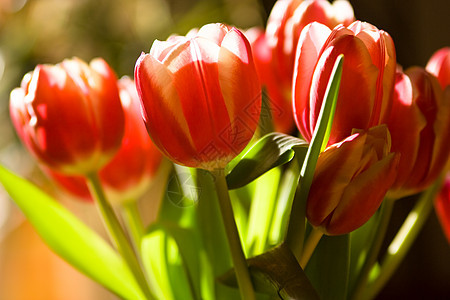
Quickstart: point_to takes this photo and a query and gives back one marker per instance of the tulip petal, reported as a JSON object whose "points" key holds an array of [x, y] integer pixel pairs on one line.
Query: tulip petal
{"points": [[160, 102], [197, 84], [312, 39], [162, 49], [439, 66], [65, 127], [363, 196], [335, 169], [213, 32], [428, 100], [235, 70], [358, 86], [108, 116], [343, 12], [405, 123], [434, 139]]}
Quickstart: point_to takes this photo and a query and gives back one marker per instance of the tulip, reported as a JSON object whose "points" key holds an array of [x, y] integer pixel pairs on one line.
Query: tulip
{"points": [[351, 180], [420, 129], [286, 21], [367, 82], [129, 174], [69, 115], [200, 96], [442, 207], [439, 66]]}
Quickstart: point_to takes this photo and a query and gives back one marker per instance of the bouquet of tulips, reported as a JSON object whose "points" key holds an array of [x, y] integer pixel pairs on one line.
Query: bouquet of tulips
{"points": [[280, 153]]}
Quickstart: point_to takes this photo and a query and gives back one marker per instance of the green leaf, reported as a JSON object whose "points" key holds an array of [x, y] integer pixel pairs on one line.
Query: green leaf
{"points": [[177, 263], [328, 268], [272, 150], [278, 274], [262, 212], [296, 227], [70, 238]]}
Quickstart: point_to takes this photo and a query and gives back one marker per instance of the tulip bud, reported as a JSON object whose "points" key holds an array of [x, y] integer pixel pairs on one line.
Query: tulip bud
{"points": [[129, 174], [367, 82], [442, 206], [439, 66], [351, 180], [200, 96], [420, 129], [69, 115]]}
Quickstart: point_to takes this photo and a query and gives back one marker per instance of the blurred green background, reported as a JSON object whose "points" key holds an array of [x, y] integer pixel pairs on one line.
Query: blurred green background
{"points": [[47, 31]]}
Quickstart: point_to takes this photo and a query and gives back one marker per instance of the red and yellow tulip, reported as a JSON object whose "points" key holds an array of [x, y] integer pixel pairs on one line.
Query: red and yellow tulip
{"points": [[200, 95], [367, 82], [69, 115]]}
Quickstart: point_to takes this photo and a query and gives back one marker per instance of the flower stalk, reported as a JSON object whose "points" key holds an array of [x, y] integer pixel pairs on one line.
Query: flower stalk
{"points": [[374, 250], [234, 242], [117, 234], [403, 241]]}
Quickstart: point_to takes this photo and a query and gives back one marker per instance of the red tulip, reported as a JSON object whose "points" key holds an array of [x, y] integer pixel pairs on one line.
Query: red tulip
{"points": [[442, 206], [286, 21], [439, 66], [351, 180], [367, 80], [200, 96], [129, 174], [420, 129], [69, 115]]}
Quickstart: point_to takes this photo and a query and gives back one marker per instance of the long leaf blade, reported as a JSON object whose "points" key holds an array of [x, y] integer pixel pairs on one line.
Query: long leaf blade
{"points": [[70, 238], [296, 228]]}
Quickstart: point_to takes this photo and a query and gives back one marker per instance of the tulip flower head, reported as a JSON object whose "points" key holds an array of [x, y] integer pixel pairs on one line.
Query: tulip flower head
{"points": [[200, 96], [367, 82], [131, 171], [420, 129], [351, 180], [69, 115]]}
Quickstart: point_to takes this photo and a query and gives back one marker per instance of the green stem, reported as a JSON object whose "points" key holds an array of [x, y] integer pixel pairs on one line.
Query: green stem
{"points": [[310, 245], [403, 241], [234, 242], [374, 249], [133, 222], [117, 233]]}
